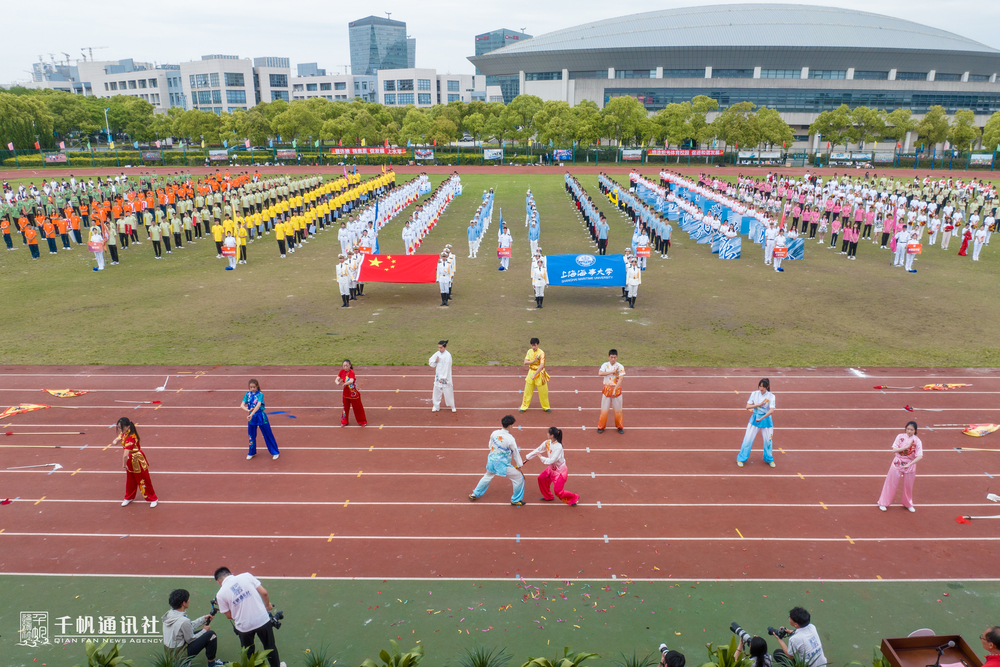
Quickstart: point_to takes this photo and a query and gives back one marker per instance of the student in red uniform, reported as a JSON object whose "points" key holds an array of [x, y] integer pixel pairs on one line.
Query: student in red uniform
{"points": [[351, 395], [134, 463]]}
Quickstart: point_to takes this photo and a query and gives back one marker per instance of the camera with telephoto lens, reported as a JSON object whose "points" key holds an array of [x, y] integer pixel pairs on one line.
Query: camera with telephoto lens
{"points": [[276, 618], [741, 633], [780, 633]]}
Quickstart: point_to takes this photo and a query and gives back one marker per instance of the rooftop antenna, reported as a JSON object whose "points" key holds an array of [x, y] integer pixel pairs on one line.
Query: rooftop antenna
{"points": [[524, 28], [67, 57], [388, 15]]}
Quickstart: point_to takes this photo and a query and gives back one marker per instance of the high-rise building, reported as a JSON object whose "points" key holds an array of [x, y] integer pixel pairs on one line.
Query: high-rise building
{"points": [[378, 43], [411, 52], [510, 86]]}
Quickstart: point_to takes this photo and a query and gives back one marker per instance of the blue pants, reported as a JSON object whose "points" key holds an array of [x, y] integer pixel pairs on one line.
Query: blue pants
{"points": [[748, 439], [265, 429], [516, 478]]}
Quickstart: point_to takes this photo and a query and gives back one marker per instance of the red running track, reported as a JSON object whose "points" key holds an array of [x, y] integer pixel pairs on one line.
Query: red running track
{"points": [[390, 500]]}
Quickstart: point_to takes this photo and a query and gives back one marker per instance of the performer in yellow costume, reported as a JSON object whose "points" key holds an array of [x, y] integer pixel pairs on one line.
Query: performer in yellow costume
{"points": [[537, 377]]}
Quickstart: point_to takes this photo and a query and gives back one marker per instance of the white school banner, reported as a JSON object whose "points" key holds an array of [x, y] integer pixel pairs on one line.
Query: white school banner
{"points": [[493, 154]]}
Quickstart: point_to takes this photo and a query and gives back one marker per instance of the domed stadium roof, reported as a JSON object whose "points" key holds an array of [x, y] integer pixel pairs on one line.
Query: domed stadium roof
{"points": [[750, 25]]}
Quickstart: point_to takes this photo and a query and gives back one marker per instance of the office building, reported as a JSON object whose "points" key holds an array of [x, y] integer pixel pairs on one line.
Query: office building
{"points": [[377, 43]]}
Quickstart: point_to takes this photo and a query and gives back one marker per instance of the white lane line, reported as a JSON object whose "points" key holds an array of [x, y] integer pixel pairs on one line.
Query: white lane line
{"points": [[596, 505], [275, 390], [491, 427], [479, 473], [478, 450], [942, 375], [423, 408], [503, 538], [672, 581]]}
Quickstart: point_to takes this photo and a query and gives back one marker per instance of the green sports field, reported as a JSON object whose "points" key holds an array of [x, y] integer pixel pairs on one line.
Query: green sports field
{"points": [[693, 309], [356, 619]]}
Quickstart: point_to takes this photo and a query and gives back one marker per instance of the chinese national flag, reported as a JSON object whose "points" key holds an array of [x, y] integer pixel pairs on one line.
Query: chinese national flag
{"points": [[399, 269]]}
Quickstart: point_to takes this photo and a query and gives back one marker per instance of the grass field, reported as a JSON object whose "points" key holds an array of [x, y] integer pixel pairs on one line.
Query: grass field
{"points": [[356, 619], [692, 309]]}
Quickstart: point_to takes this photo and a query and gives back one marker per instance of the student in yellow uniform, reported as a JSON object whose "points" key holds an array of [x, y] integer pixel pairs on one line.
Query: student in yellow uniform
{"points": [[241, 242], [279, 234], [289, 234], [218, 234]]}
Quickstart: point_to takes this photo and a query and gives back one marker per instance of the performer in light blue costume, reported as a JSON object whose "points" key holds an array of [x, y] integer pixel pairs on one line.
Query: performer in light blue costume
{"points": [[761, 406], [504, 460]]}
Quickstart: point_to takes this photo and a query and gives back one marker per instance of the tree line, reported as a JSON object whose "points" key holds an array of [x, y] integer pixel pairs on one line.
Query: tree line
{"points": [[49, 117]]}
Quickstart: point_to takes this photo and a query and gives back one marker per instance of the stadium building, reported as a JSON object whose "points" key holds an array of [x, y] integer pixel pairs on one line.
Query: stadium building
{"points": [[800, 60]]}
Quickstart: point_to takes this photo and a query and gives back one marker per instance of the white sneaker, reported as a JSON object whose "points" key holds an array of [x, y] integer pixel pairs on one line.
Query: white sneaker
{"points": [[883, 508], [454, 410], [249, 456], [125, 502], [275, 457], [153, 504]]}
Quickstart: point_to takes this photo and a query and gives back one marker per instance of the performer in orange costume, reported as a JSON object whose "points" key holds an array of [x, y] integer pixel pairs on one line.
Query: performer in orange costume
{"points": [[134, 462], [611, 397]]}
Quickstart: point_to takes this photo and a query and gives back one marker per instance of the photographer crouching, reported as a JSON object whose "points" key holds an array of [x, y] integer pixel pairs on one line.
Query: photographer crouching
{"points": [[182, 636], [803, 640], [245, 602], [669, 658], [755, 647]]}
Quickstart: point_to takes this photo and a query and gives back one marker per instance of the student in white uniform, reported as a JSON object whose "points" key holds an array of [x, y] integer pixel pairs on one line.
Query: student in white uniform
{"points": [[443, 278], [230, 242], [539, 279], [506, 241], [344, 236], [344, 281], [908, 260], [978, 241], [440, 361], [902, 239], [97, 237], [633, 278], [770, 234], [761, 407], [779, 242]]}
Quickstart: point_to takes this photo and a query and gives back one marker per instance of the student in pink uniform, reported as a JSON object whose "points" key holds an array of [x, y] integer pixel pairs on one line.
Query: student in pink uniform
{"points": [[555, 474], [908, 450]]}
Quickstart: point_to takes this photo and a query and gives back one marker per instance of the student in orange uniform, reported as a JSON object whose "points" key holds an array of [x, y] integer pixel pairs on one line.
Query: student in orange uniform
{"points": [[31, 238], [62, 225], [49, 230], [134, 463], [5, 228], [22, 224]]}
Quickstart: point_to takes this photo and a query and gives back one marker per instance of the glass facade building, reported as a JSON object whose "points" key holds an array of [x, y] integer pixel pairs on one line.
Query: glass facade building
{"points": [[510, 86], [377, 43]]}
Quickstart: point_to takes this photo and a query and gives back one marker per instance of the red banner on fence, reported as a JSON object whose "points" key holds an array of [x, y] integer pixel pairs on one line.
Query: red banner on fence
{"points": [[684, 152], [368, 150]]}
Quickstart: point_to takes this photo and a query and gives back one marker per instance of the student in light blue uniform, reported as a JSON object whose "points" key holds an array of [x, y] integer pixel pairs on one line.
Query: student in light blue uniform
{"points": [[665, 229], [504, 460], [761, 406]]}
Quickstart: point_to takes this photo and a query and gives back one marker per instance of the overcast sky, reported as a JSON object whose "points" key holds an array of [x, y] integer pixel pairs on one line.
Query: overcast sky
{"points": [[173, 31]]}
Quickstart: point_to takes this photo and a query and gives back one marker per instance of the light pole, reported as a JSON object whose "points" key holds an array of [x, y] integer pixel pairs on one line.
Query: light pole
{"points": [[107, 126]]}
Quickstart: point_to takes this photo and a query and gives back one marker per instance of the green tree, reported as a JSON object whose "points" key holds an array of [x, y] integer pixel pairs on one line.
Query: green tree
{"points": [[773, 129], [832, 125], [672, 122], [964, 132], [298, 121], [588, 123], [555, 122], [443, 130], [897, 124], [737, 125], [866, 125], [416, 127], [70, 113], [991, 131], [474, 124], [622, 117], [698, 127], [933, 128], [132, 116], [22, 118], [517, 116]]}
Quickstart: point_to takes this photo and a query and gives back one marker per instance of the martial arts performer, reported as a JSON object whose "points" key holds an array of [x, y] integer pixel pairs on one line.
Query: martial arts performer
{"points": [[505, 460], [537, 377], [761, 406], [352, 397], [551, 454], [611, 394], [440, 361], [134, 463], [908, 450], [253, 403]]}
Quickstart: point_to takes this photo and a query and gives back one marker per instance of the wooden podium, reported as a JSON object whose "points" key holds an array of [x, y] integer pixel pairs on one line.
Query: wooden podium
{"points": [[920, 651]]}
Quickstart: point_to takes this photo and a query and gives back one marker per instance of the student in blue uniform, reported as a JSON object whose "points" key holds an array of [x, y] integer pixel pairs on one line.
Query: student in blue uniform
{"points": [[253, 403], [761, 406]]}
